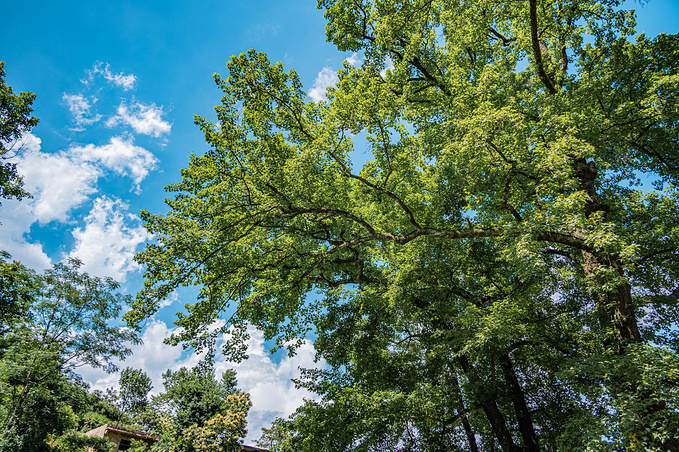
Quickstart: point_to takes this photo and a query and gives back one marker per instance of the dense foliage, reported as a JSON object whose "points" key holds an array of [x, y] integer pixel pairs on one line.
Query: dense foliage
{"points": [[15, 120], [498, 275]]}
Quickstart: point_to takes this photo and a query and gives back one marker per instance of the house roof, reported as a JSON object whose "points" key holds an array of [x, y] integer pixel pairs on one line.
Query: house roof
{"points": [[102, 430], [123, 431]]}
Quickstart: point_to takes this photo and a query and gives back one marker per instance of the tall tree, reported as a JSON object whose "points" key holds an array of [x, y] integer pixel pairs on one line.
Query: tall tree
{"points": [[15, 120], [497, 275]]}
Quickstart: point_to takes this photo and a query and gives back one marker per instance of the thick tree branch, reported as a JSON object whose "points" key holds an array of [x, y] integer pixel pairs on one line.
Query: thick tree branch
{"points": [[537, 51]]}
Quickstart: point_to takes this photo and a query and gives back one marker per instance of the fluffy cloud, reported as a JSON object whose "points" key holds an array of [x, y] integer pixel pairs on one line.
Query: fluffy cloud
{"points": [[153, 356], [80, 106], [272, 391], [58, 183], [13, 239], [121, 156], [169, 301], [124, 81], [144, 119], [62, 181], [24, 144], [327, 77], [108, 241]]}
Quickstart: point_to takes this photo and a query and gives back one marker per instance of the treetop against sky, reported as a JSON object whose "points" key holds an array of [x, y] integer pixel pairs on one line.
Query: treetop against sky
{"points": [[116, 88]]}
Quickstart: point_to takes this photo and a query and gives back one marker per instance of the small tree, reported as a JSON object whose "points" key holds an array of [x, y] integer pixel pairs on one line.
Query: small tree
{"points": [[134, 389], [200, 413]]}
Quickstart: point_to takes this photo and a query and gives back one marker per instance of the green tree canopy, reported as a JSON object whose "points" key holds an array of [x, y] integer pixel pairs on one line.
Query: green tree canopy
{"points": [[16, 290], [15, 120], [496, 275]]}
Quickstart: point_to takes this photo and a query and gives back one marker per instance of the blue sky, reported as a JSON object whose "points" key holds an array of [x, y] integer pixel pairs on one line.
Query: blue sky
{"points": [[117, 85]]}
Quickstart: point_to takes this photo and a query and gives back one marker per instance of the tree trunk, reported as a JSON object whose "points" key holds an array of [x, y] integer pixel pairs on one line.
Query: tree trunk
{"points": [[616, 307], [17, 408], [530, 439], [495, 417], [471, 439]]}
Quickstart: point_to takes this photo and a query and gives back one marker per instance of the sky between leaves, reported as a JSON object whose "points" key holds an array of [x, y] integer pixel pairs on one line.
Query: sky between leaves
{"points": [[117, 85]]}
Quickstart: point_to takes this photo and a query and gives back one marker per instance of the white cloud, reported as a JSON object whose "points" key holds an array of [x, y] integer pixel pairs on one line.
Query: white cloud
{"points": [[327, 77], [144, 119], [16, 219], [26, 143], [169, 301], [58, 183], [109, 239], [354, 59], [124, 81], [80, 106], [62, 181], [121, 156], [272, 392], [152, 356]]}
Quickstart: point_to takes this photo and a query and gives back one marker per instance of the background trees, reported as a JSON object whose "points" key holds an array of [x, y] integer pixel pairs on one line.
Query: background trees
{"points": [[495, 276], [197, 412], [59, 320], [206, 414]]}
